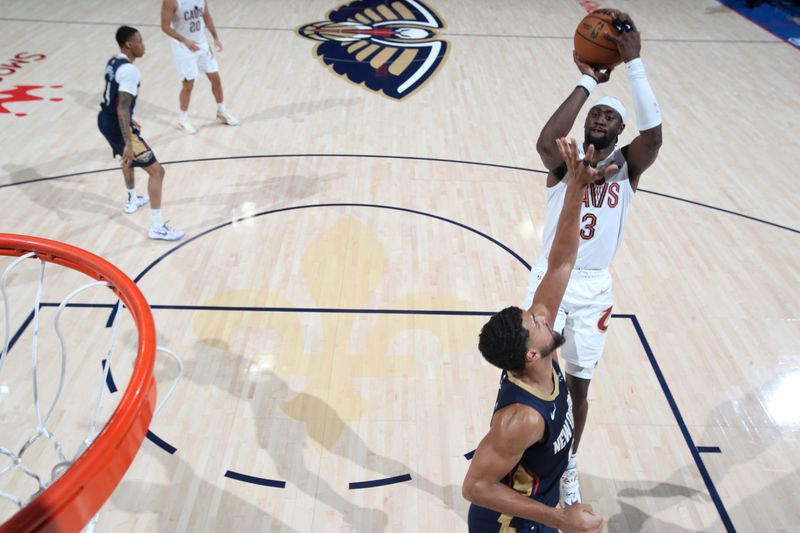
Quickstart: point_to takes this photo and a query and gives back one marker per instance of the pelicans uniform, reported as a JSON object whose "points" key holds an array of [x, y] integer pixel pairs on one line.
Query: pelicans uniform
{"points": [[188, 22], [586, 307], [539, 471], [122, 75]]}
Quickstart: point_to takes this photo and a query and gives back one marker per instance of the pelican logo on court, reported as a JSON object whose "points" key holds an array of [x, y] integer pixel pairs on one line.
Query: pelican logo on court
{"points": [[388, 46], [23, 93]]}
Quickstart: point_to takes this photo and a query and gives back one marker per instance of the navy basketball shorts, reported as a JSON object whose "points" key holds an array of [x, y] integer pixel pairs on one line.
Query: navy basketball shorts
{"points": [[143, 155]]}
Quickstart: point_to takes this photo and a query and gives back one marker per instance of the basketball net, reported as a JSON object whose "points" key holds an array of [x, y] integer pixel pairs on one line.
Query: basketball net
{"points": [[16, 458]]}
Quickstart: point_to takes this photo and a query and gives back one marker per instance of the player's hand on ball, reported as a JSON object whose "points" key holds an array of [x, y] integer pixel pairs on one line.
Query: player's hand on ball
{"points": [[601, 75], [629, 41]]}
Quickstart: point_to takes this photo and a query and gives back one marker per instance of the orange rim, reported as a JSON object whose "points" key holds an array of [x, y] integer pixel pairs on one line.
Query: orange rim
{"points": [[75, 497]]}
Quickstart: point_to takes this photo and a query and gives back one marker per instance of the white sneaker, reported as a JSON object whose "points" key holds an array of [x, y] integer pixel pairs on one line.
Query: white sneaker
{"points": [[164, 232], [186, 127], [227, 118], [135, 203], [570, 489]]}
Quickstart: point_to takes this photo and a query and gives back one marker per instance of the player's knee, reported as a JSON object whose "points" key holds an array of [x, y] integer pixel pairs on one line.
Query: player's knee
{"points": [[158, 172], [187, 85]]}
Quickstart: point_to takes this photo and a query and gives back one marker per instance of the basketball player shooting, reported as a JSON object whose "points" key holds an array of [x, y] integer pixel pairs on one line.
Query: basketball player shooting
{"points": [[513, 479], [584, 312]]}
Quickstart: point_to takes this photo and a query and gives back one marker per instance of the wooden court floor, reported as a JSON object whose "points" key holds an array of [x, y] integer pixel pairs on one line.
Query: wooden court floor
{"points": [[343, 250]]}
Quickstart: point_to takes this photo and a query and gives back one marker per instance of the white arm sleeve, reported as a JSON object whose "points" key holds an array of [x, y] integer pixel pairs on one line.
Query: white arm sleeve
{"points": [[128, 78], [648, 114]]}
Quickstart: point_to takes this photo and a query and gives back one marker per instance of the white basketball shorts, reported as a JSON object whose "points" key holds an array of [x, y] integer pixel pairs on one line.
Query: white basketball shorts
{"points": [[583, 316], [190, 63]]}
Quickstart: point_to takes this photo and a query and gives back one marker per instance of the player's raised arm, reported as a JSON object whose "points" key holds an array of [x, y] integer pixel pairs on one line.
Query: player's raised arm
{"points": [[564, 117], [562, 257], [642, 152]]}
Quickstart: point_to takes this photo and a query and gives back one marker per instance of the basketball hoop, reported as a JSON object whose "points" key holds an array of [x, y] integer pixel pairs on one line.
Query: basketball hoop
{"points": [[82, 486]]}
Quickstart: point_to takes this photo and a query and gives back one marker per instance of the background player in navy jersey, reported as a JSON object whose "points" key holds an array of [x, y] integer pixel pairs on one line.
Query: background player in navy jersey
{"points": [[586, 307], [116, 123], [513, 479]]}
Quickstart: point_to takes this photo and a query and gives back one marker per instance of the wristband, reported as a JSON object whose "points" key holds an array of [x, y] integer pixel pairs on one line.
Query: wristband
{"points": [[587, 82]]}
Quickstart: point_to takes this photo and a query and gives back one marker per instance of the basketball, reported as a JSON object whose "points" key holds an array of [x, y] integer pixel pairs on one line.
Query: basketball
{"points": [[592, 43]]}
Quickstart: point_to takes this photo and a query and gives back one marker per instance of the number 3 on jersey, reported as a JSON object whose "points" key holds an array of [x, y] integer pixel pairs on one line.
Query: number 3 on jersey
{"points": [[588, 222]]}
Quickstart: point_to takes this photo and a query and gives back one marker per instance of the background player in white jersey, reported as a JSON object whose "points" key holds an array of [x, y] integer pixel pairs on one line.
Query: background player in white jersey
{"points": [[115, 122], [185, 22], [586, 306]]}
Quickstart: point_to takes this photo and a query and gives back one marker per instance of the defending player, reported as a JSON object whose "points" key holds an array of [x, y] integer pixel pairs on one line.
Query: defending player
{"points": [[513, 479]]}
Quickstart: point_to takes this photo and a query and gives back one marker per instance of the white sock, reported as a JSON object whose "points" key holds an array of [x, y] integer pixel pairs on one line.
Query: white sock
{"points": [[572, 460], [131, 194], [220, 107], [183, 116], [157, 221]]}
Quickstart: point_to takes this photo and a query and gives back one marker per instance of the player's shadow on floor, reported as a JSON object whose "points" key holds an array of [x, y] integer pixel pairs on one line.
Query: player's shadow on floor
{"points": [[65, 201], [213, 508], [740, 416], [292, 467], [257, 195]]}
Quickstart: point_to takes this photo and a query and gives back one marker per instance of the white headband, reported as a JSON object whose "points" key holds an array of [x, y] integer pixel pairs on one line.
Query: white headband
{"points": [[614, 104]]}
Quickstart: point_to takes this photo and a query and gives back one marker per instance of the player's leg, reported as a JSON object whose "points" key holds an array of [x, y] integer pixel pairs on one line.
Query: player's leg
{"points": [[585, 336], [133, 201], [208, 64], [146, 159], [159, 229], [186, 64], [108, 125], [184, 98]]}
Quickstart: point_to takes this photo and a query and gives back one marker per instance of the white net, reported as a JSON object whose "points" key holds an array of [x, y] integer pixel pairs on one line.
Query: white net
{"points": [[52, 407]]}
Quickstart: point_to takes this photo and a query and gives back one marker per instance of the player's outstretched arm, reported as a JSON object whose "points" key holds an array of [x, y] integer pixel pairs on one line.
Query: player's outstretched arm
{"points": [[564, 251], [643, 150], [564, 117]]}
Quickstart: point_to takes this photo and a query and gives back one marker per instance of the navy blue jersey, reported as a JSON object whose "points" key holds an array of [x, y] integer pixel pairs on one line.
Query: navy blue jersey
{"points": [[111, 91], [538, 473]]}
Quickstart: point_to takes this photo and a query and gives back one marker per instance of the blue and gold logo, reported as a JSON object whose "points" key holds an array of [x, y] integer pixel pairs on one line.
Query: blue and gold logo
{"points": [[388, 46]]}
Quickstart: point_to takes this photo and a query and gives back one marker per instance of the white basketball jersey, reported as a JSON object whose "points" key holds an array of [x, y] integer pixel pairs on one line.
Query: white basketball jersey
{"points": [[605, 207], [188, 20]]}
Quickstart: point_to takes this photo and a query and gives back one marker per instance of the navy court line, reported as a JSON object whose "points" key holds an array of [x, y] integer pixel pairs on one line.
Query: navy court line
{"points": [[152, 437], [161, 443], [255, 480], [112, 387], [20, 331], [379, 482], [712, 490], [709, 449], [379, 156]]}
